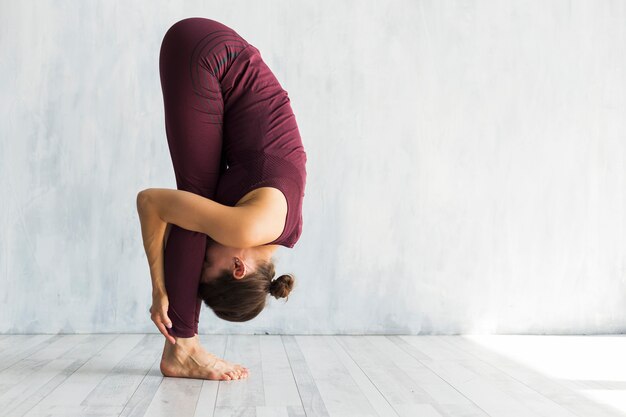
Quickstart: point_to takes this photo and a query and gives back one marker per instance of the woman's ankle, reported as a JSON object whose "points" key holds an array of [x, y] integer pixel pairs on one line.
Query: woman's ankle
{"points": [[189, 343]]}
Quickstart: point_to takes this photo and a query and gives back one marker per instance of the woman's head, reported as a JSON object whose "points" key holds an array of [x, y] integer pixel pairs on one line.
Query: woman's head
{"points": [[238, 293]]}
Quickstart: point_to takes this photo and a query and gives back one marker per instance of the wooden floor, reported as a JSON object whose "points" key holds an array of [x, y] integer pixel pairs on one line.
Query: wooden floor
{"points": [[294, 376]]}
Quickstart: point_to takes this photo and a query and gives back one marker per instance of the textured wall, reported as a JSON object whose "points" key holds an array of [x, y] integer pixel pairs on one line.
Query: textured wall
{"points": [[466, 163]]}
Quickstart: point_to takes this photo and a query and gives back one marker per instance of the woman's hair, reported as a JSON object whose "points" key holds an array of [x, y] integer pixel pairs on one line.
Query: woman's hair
{"points": [[243, 299]]}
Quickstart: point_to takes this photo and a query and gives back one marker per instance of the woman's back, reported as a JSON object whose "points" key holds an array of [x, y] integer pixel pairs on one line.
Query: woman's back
{"points": [[262, 145]]}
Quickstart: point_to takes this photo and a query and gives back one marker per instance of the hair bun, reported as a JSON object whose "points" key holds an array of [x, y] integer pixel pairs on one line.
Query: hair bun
{"points": [[281, 286]]}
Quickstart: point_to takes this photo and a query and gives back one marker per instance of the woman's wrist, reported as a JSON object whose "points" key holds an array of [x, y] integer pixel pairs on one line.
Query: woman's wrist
{"points": [[158, 292]]}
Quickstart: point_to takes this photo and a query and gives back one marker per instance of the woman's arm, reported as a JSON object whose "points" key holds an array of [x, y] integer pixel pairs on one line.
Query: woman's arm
{"points": [[237, 226], [167, 234], [153, 232]]}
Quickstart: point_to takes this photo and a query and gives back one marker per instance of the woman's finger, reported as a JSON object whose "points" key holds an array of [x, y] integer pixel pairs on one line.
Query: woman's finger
{"points": [[168, 336], [163, 330], [166, 320], [160, 326]]}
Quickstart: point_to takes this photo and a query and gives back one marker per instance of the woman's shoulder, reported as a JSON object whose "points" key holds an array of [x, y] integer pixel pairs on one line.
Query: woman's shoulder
{"points": [[264, 196], [268, 211]]}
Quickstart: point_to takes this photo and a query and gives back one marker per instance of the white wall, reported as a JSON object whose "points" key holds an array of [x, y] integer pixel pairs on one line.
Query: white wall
{"points": [[466, 163]]}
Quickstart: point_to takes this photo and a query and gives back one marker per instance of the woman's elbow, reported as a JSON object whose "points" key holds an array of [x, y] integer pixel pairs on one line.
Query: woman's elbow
{"points": [[142, 199]]}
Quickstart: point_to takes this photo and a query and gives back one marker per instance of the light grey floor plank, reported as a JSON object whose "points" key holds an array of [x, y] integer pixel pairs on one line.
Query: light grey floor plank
{"points": [[175, 397], [296, 411], [438, 389], [205, 407], [260, 411], [116, 388], [393, 381], [447, 400], [249, 392], [141, 399], [24, 347], [279, 384], [482, 385], [565, 394], [271, 411], [8, 341], [341, 394], [521, 391], [47, 379], [363, 380], [328, 376], [75, 388], [312, 403], [21, 373], [78, 411], [242, 411]]}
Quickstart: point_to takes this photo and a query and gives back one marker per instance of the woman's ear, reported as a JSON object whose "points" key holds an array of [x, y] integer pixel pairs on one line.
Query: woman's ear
{"points": [[239, 270]]}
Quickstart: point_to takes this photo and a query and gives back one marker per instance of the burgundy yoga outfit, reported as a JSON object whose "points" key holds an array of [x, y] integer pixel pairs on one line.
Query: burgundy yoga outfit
{"points": [[230, 129]]}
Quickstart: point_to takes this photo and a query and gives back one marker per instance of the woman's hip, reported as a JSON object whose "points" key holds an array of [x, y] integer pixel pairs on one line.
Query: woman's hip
{"points": [[200, 43]]}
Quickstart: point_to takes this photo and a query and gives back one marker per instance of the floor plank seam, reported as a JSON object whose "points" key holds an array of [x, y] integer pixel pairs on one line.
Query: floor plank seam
{"points": [[435, 372], [282, 341], [526, 385], [342, 346]]}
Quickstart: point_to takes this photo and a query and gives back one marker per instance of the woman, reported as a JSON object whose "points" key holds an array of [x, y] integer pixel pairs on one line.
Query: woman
{"points": [[240, 172]]}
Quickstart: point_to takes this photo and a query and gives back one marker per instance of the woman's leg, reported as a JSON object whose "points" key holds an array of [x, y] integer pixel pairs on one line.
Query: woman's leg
{"points": [[192, 57]]}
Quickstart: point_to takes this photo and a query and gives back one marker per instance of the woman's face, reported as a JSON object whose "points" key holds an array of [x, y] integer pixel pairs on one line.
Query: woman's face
{"points": [[238, 261], [218, 258], [214, 260]]}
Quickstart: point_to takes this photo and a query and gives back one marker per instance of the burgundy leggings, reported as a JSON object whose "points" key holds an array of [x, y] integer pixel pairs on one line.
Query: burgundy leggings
{"points": [[194, 55]]}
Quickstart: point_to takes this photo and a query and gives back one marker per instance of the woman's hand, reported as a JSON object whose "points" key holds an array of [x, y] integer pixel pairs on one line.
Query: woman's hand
{"points": [[158, 314]]}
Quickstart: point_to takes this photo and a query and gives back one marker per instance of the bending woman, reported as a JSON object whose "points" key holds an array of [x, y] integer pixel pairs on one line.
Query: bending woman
{"points": [[240, 170]]}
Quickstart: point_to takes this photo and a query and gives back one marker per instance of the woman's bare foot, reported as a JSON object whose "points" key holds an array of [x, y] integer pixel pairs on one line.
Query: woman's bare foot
{"points": [[188, 359], [203, 356], [208, 357]]}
